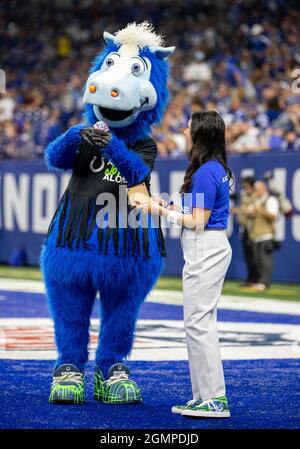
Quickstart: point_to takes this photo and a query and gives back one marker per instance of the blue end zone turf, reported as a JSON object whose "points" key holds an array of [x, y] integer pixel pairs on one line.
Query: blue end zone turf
{"points": [[262, 394]]}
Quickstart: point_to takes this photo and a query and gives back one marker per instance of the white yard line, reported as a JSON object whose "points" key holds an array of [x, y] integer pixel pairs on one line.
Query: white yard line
{"points": [[21, 285], [169, 354], [232, 302]]}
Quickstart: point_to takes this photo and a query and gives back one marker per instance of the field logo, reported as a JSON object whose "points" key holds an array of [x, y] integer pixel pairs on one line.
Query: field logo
{"points": [[3, 342]]}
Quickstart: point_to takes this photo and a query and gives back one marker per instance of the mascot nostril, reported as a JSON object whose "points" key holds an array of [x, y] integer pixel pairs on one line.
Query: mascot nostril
{"points": [[84, 252], [146, 101]]}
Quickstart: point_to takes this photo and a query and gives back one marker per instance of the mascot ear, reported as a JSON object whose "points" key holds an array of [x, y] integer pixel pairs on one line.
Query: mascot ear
{"points": [[162, 52], [110, 38]]}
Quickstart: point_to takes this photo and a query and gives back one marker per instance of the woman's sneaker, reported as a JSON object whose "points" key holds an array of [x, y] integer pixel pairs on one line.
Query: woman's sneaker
{"points": [[180, 408], [213, 408], [67, 385]]}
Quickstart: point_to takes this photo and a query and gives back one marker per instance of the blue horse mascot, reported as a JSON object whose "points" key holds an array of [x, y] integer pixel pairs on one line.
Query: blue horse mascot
{"points": [[95, 244]]}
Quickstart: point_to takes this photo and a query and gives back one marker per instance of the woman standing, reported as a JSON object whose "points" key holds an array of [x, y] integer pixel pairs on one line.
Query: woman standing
{"points": [[207, 254]]}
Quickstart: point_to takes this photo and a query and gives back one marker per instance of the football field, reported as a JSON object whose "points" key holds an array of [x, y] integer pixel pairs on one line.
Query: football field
{"points": [[260, 345]]}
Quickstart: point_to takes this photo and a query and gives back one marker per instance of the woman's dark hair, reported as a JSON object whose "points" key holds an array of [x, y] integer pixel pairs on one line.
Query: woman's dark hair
{"points": [[208, 143]]}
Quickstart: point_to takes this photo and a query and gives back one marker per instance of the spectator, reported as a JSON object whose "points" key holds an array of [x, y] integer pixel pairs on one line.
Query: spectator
{"points": [[196, 105], [246, 138], [7, 106], [244, 71], [197, 70]]}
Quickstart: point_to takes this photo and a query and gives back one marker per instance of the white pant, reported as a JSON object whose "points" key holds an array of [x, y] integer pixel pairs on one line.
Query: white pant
{"points": [[207, 255]]}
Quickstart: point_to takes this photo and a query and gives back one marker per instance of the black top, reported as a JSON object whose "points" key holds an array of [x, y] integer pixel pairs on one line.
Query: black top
{"points": [[94, 174]]}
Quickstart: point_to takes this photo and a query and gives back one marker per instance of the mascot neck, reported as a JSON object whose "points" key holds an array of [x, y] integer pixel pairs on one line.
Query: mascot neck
{"points": [[133, 133]]}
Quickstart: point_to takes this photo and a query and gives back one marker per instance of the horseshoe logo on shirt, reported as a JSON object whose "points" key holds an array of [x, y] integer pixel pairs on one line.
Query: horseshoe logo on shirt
{"points": [[96, 170]]}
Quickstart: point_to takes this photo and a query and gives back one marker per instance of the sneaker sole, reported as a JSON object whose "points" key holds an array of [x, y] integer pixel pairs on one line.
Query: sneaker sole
{"points": [[65, 401], [176, 410], [200, 414], [123, 402]]}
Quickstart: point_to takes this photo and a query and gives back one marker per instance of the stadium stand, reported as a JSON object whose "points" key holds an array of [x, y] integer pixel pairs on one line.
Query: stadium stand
{"points": [[237, 57]]}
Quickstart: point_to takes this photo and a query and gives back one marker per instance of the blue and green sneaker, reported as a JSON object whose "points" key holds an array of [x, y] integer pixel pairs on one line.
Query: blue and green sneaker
{"points": [[67, 385], [179, 408], [99, 385], [118, 388], [213, 408]]}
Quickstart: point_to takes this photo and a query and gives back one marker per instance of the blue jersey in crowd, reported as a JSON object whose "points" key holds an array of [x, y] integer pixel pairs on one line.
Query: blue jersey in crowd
{"points": [[211, 184]]}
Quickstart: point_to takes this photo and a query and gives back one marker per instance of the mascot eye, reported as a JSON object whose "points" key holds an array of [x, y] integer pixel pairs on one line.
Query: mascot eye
{"points": [[110, 62], [137, 68]]}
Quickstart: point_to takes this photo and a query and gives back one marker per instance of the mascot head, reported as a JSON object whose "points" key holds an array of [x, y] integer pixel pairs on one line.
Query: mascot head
{"points": [[127, 87]]}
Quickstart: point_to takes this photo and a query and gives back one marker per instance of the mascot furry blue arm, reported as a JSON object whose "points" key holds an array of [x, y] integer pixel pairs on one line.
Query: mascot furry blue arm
{"points": [[62, 152], [126, 92]]}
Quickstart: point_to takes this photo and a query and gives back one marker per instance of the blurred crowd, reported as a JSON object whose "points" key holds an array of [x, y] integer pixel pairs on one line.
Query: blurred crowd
{"points": [[239, 58]]}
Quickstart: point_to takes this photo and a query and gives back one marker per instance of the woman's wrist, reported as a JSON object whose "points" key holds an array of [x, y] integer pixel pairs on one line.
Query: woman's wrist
{"points": [[164, 212], [173, 216]]}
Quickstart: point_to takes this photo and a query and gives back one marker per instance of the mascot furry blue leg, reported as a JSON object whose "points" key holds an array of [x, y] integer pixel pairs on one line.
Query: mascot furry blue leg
{"points": [[86, 252]]}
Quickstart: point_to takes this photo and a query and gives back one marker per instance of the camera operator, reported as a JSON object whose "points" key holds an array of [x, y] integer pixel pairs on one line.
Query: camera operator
{"points": [[264, 212], [246, 223], [285, 205]]}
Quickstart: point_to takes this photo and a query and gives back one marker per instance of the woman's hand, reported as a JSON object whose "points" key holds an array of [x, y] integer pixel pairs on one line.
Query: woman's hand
{"points": [[164, 203], [148, 206], [159, 200], [173, 207]]}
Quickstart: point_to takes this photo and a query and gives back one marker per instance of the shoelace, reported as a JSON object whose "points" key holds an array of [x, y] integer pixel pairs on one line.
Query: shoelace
{"points": [[193, 402], [212, 405], [74, 377], [116, 377]]}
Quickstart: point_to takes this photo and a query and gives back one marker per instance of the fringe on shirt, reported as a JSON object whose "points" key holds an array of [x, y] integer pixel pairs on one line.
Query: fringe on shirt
{"points": [[77, 221]]}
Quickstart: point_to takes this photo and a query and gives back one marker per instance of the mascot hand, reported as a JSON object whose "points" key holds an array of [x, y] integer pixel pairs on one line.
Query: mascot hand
{"points": [[98, 135]]}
